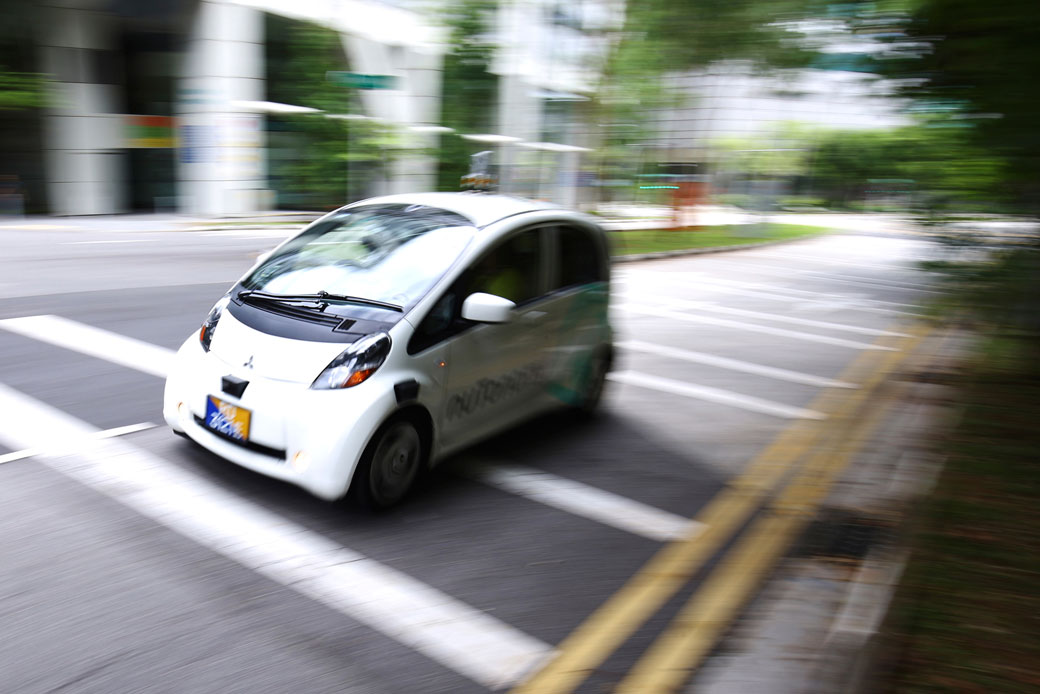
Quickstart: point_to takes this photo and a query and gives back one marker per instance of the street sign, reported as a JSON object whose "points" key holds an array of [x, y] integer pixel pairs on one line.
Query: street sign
{"points": [[358, 80]]}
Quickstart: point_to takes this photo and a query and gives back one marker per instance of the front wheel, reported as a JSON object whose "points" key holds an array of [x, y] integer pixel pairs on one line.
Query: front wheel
{"points": [[389, 465]]}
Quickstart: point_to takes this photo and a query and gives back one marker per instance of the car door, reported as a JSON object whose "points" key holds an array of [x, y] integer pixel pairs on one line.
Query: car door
{"points": [[576, 306], [496, 373]]}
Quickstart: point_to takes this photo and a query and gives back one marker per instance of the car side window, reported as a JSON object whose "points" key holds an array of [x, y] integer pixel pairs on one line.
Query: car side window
{"points": [[580, 258], [511, 269], [443, 320]]}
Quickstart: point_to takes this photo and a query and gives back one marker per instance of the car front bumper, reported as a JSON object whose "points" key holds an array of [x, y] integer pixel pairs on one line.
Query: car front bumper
{"points": [[310, 438]]}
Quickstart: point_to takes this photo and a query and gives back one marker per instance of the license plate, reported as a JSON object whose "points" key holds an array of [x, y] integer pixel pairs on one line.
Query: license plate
{"points": [[227, 419]]}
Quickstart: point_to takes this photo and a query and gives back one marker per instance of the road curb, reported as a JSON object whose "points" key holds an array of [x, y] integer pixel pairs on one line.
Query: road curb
{"points": [[853, 651]]}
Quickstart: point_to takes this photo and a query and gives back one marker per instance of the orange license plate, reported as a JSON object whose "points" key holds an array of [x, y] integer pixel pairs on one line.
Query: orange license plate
{"points": [[227, 419]]}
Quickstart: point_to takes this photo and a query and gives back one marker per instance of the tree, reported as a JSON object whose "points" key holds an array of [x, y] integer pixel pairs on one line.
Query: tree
{"points": [[938, 166], [329, 154], [662, 37], [969, 67], [469, 91]]}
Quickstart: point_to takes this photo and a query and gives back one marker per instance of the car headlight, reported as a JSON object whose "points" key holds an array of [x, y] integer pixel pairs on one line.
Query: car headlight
{"points": [[210, 324], [355, 364]]}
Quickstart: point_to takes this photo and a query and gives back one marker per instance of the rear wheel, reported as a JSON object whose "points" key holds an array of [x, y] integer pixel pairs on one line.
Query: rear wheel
{"points": [[389, 465]]}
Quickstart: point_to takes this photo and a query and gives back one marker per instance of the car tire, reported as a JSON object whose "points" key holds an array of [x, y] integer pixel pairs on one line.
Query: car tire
{"points": [[389, 466], [593, 382]]}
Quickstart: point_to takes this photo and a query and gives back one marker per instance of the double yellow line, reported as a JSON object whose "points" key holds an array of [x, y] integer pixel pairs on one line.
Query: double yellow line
{"points": [[669, 661]]}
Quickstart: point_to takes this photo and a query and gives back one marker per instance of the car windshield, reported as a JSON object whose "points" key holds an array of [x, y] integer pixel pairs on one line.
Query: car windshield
{"points": [[389, 253]]}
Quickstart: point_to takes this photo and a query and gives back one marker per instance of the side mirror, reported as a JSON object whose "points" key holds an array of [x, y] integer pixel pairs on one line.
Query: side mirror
{"points": [[487, 308]]}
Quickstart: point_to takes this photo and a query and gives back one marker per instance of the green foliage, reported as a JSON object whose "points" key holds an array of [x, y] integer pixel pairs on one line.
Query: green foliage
{"points": [[659, 240], [469, 89], [331, 158], [21, 87], [933, 167], [327, 151], [965, 612], [933, 170], [300, 55], [662, 37], [20, 90], [999, 296], [969, 65], [763, 157]]}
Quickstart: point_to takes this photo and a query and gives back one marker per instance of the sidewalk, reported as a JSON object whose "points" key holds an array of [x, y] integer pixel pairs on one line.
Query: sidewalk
{"points": [[155, 221]]}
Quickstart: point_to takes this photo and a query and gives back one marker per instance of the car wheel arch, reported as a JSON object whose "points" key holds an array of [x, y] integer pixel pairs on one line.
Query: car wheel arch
{"points": [[421, 418]]}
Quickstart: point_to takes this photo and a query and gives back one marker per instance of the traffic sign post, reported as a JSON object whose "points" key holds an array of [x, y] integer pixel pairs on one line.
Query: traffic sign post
{"points": [[357, 80]]}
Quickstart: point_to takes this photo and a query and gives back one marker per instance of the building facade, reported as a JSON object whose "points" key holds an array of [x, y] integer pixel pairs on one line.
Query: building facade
{"points": [[161, 105]]}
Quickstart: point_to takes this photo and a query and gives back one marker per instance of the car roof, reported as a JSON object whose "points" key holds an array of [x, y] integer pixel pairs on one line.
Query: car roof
{"points": [[480, 208]]}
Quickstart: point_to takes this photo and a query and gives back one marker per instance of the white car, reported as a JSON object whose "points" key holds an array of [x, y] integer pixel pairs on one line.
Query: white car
{"points": [[392, 332]]}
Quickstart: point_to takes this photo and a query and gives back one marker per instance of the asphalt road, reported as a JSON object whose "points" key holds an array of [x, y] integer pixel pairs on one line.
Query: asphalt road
{"points": [[116, 581]]}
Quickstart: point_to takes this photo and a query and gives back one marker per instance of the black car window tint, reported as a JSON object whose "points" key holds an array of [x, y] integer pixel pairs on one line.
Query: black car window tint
{"points": [[579, 258]]}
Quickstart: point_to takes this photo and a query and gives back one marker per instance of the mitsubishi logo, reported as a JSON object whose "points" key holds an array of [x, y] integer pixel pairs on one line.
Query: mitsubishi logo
{"points": [[249, 362]]}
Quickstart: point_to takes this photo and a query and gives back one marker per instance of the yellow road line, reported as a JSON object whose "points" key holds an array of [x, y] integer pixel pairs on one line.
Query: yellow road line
{"points": [[659, 579], [688, 640]]}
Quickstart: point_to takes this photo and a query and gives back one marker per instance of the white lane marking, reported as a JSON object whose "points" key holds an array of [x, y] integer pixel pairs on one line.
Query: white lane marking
{"points": [[95, 342], [665, 525], [849, 304], [750, 327], [710, 286], [714, 288], [760, 315], [253, 233], [785, 274], [734, 364], [85, 243], [830, 261], [807, 293], [873, 281], [69, 445], [586, 501], [464, 639], [764, 291], [825, 302], [717, 395]]}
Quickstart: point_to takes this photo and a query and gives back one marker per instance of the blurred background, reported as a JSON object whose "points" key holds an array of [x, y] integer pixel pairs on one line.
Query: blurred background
{"points": [[912, 126], [221, 107]]}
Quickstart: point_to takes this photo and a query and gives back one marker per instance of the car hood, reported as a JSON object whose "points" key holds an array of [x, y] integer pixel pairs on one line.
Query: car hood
{"points": [[270, 356]]}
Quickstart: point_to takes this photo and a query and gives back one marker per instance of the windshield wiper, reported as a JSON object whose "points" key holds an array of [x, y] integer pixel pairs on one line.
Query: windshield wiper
{"points": [[321, 299]]}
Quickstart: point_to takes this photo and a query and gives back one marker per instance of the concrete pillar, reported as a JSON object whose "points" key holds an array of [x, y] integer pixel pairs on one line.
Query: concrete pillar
{"points": [[83, 133], [520, 27], [222, 166], [418, 172], [520, 116]]}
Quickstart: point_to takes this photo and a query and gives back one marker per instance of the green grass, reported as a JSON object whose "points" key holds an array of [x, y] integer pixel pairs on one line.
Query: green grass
{"points": [[659, 240]]}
